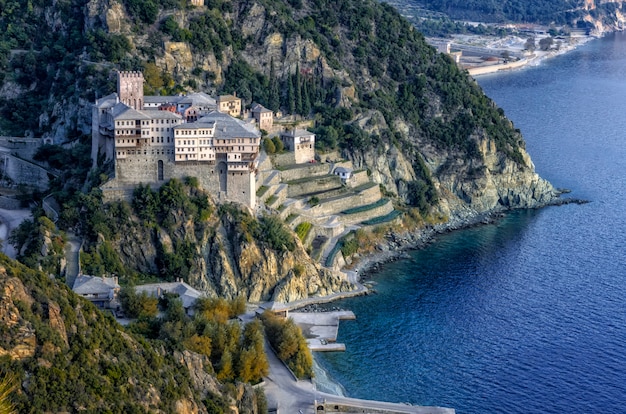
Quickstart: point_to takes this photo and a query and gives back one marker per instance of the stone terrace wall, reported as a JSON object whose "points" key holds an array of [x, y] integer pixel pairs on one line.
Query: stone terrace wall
{"points": [[338, 204], [323, 183], [306, 170], [366, 215]]}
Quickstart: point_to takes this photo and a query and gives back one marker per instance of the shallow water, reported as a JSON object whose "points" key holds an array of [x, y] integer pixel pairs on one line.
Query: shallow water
{"points": [[527, 315]]}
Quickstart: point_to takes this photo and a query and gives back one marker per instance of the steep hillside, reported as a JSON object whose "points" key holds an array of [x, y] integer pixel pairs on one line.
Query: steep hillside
{"points": [[66, 356], [377, 92]]}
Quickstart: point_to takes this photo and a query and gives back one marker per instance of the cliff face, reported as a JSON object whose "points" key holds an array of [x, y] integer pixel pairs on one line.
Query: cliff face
{"points": [[221, 257]]}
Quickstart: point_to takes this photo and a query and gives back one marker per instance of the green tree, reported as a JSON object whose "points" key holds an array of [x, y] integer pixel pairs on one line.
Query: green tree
{"points": [[297, 85], [7, 386], [226, 371], [269, 146], [274, 92], [137, 305], [546, 43], [278, 144]]}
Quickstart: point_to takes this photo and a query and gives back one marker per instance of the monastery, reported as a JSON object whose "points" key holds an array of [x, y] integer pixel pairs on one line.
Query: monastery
{"points": [[152, 139]]}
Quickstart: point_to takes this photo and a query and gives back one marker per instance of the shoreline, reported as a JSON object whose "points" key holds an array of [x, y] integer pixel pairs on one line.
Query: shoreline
{"points": [[536, 59], [398, 248]]}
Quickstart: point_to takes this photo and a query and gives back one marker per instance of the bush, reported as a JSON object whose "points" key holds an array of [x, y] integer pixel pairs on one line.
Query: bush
{"points": [[270, 148], [274, 232], [278, 144], [303, 229]]}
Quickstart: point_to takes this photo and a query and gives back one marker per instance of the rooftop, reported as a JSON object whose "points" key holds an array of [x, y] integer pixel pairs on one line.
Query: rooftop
{"points": [[227, 127], [297, 133], [85, 285], [185, 292]]}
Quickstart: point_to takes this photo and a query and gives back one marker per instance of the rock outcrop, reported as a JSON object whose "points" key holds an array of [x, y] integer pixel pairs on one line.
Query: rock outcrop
{"points": [[224, 262]]}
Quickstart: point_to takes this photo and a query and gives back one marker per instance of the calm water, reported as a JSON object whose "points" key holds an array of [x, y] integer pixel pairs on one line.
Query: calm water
{"points": [[528, 315]]}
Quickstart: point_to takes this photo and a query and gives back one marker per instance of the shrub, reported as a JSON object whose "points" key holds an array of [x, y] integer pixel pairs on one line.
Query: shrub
{"points": [[303, 229], [270, 148], [290, 345], [278, 144], [274, 232]]}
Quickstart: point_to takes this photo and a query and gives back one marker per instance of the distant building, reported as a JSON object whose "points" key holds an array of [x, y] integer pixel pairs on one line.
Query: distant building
{"points": [[263, 117], [229, 104], [101, 291], [187, 294], [196, 2], [301, 143], [344, 173]]}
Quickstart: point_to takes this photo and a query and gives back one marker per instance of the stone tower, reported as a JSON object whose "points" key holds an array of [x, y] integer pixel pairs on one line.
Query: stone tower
{"points": [[130, 89]]}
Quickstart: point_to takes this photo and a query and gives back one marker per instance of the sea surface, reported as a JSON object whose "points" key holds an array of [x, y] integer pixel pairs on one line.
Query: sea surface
{"points": [[527, 315]]}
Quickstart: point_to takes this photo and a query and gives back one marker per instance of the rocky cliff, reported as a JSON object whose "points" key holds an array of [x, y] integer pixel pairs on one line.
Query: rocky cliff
{"points": [[227, 253]]}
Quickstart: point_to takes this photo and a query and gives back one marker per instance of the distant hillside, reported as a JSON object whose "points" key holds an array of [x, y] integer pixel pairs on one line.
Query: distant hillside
{"points": [[575, 13], [66, 356]]}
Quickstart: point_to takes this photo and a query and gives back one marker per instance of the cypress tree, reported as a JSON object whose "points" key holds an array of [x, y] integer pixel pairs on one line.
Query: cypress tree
{"points": [[274, 93], [297, 85], [306, 98], [291, 98]]}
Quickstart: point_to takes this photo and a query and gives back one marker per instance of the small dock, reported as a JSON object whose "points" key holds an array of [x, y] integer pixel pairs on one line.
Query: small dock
{"points": [[321, 328]]}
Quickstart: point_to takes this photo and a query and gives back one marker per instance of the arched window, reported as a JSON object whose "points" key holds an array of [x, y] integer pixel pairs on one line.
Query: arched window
{"points": [[160, 170]]}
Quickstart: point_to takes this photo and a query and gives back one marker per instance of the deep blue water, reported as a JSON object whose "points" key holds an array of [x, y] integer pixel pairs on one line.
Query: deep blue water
{"points": [[527, 315]]}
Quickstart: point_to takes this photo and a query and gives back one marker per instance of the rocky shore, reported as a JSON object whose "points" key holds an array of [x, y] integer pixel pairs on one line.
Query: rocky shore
{"points": [[396, 245]]}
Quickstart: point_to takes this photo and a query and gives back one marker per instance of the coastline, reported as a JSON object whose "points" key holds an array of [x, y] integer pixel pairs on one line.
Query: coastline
{"points": [[535, 59], [397, 247]]}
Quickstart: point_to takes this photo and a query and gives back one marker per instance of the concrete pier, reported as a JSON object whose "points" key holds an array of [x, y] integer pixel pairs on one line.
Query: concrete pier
{"points": [[321, 328]]}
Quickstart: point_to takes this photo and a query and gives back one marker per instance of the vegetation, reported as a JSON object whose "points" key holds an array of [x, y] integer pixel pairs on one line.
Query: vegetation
{"points": [[287, 340], [7, 386], [236, 353], [302, 230], [83, 363], [538, 11]]}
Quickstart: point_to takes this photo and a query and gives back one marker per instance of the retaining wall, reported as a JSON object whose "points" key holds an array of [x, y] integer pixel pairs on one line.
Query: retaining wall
{"points": [[306, 170], [366, 215], [324, 183], [335, 205]]}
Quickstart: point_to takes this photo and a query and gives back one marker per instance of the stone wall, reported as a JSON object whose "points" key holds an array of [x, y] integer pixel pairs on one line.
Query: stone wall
{"points": [[323, 183], [304, 153], [224, 186], [23, 147], [306, 170], [8, 203], [25, 172], [366, 215], [359, 178], [339, 204]]}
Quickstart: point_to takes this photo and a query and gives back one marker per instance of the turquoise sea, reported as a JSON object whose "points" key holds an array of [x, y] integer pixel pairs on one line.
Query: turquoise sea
{"points": [[527, 315]]}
